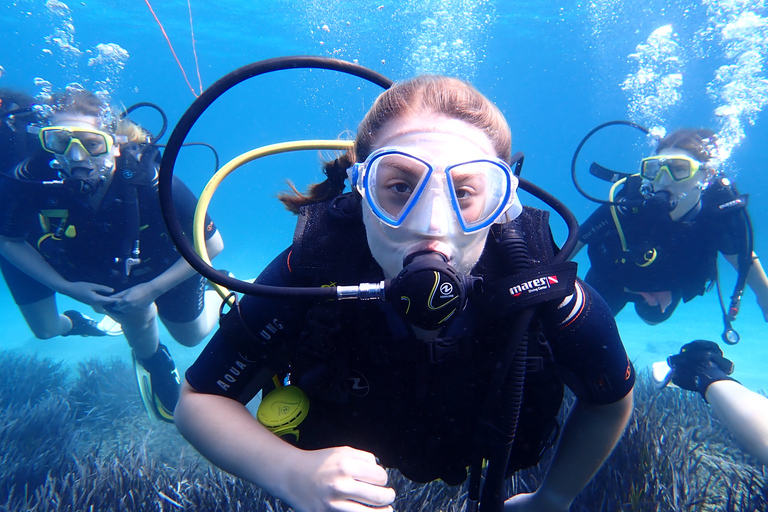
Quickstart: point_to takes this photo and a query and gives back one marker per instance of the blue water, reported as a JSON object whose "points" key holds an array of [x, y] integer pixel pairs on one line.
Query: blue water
{"points": [[555, 69]]}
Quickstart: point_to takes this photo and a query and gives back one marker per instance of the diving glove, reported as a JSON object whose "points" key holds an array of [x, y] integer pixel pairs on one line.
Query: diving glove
{"points": [[699, 364]]}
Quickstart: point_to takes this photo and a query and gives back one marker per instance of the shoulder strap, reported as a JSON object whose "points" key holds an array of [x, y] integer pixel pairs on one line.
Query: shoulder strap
{"points": [[722, 196], [137, 164], [507, 291]]}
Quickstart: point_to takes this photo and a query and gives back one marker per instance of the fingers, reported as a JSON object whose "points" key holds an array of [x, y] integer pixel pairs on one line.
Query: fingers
{"points": [[365, 484], [120, 295], [367, 468], [100, 288]]}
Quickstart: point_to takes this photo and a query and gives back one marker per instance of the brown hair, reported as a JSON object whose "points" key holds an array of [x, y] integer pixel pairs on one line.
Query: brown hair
{"points": [[80, 101], [699, 142], [83, 102], [426, 94]]}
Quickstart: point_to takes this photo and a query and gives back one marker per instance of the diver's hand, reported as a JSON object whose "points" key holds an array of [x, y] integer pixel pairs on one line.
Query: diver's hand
{"points": [[135, 298], [699, 364], [532, 502], [337, 479], [93, 294]]}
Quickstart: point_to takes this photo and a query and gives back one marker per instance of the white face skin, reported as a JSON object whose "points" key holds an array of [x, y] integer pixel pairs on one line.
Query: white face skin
{"points": [[441, 141], [688, 192], [76, 161]]}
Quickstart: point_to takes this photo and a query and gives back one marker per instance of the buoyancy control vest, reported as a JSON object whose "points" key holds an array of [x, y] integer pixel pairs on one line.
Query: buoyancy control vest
{"points": [[133, 185], [344, 356], [656, 253]]}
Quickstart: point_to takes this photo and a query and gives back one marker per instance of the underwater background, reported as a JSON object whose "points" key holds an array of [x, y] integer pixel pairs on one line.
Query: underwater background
{"points": [[556, 69]]}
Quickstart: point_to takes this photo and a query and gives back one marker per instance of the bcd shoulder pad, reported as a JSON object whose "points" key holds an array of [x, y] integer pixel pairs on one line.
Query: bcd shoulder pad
{"points": [[330, 238]]}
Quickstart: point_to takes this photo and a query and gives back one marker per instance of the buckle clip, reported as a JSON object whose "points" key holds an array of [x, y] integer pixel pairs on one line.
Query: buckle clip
{"points": [[443, 349]]}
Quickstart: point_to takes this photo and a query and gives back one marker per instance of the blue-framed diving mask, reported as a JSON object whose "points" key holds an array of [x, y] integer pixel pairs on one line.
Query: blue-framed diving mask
{"points": [[400, 186]]}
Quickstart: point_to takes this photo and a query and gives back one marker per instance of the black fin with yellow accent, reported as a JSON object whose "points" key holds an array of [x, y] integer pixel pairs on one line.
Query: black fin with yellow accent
{"points": [[159, 384]]}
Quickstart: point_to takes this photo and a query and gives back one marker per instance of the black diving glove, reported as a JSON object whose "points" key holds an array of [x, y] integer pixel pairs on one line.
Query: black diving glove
{"points": [[699, 364]]}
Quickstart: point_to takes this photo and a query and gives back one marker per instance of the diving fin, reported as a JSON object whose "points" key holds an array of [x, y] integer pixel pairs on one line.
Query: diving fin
{"points": [[144, 380], [110, 326], [159, 383]]}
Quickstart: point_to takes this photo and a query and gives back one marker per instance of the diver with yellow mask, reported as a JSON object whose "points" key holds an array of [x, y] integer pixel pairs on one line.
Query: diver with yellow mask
{"points": [[656, 241], [82, 218]]}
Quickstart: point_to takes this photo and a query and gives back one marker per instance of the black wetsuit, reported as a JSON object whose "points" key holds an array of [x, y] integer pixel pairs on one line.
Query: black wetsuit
{"points": [[662, 255], [374, 386], [86, 245]]}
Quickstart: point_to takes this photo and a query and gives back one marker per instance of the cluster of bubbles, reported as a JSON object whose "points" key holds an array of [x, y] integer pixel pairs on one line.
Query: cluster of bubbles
{"points": [[435, 36], [108, 60], [740, 88], [655, 87], [63, 36], [734, 31], [449, 37]]}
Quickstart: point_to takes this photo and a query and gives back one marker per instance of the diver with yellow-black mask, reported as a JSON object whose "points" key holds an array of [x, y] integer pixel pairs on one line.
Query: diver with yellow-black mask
{"points": [[467, 324], [82, 218], [656, 241]]}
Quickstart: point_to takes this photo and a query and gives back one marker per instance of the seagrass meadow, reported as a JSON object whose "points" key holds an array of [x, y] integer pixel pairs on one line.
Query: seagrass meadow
{"points": [[80, 441]]}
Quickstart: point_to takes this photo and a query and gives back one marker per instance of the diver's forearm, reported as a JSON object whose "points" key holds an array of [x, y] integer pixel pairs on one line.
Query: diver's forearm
{"points": [[589, 435]]}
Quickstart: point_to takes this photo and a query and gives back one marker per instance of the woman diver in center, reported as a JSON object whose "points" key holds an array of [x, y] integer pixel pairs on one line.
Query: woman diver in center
{"points": [[432, 188]]}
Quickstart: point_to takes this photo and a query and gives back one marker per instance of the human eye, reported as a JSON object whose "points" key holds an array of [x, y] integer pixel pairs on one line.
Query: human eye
{"points": [[469, 182], [93, 143], [394, 180], [401, 187]]}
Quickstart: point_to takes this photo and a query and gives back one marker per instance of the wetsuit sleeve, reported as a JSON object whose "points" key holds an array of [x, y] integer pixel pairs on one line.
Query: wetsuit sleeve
{"points": [[186, 202], [17, 200], [586, 346], [598, 223], [253, 341]]}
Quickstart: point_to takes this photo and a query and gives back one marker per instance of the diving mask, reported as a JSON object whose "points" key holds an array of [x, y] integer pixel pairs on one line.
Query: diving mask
{"points": [[398, 185], [59, 140], [679, 168]]}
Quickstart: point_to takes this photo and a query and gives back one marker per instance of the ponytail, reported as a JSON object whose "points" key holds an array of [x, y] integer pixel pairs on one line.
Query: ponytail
{"points": [[336, 173]]}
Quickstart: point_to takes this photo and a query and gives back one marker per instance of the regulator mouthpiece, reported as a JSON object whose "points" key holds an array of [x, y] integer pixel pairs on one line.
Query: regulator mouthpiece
{"points": [[428, 292], [661, 202]]}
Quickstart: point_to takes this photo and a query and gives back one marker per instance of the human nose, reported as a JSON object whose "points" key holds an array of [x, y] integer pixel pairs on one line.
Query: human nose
{"points": [[76, 152], [664, 179], [436, 214]]}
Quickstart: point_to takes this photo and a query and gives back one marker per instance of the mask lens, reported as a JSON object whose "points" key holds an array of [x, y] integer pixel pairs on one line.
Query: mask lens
{"points": [[679, 169], [650, 169], [479, 191], [56, 141], [393, 181], [94, 143]]}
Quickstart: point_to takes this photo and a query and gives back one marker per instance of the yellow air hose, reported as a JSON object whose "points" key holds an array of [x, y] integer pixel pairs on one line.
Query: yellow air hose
{"points": [[205, 197]]}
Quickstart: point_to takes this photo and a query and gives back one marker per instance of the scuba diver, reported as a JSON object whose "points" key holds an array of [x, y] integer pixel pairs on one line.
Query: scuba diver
{"points": [[82, 218], [352, 387], [656, 241]]}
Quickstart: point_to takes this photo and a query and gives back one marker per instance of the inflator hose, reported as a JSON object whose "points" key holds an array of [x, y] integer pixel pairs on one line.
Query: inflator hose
{"points": [[508, 381], [584, 141], [184, 126]]}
